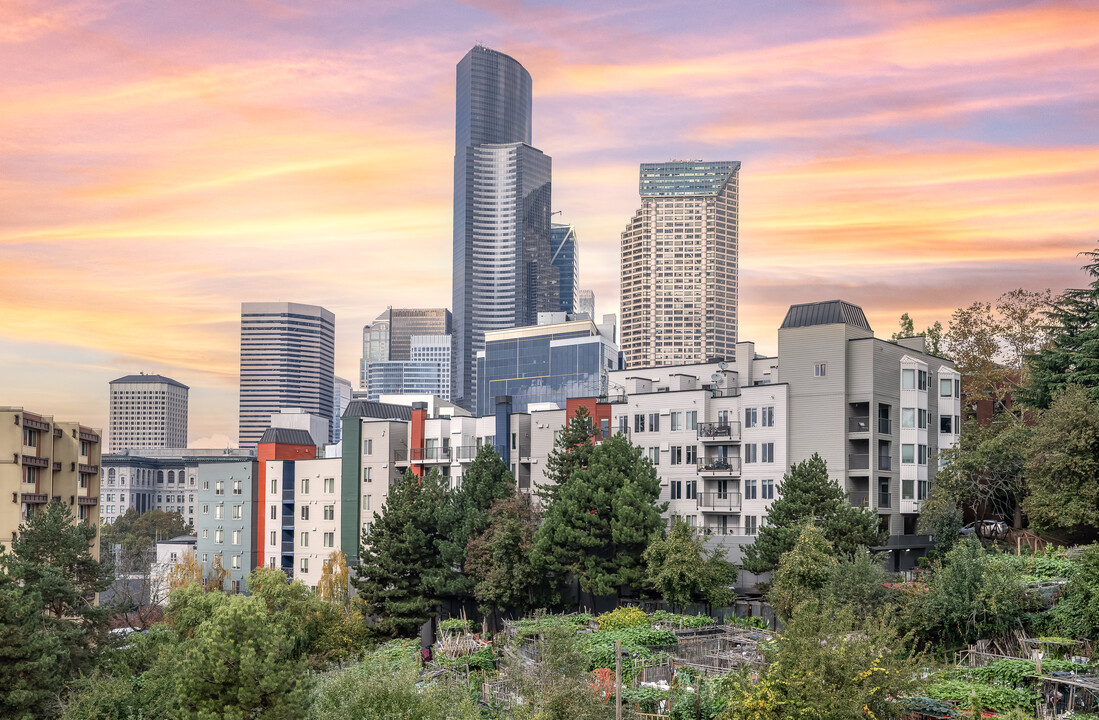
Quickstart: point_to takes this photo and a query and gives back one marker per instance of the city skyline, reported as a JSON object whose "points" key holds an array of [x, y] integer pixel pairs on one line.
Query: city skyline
{"points": [[905, 157]]}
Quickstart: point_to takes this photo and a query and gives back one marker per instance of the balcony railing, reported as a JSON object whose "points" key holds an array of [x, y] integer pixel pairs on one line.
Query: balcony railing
{"points": [[720, 465], [884, 426], [884, 500], [431, 454], [400, 455], [859, 498], [466, 452], [858, 461], [32, 461], [859, 424], [885, 462], [725, 392], [722, 531], [719, 500], [719, 430]]}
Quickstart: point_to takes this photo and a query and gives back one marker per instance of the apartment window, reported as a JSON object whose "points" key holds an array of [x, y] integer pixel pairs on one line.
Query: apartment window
{"points": [[274, 512], [236, 537], [219, 536], [692, 455], [767, 489], [921, 454], [304, 539], [677, 421], [921, 377], [654, 455], [677, 455], [907, 489], [908, 417], [750, 417], [30, 438], [639, 423], [205, 484], [623, 424], [368, 474], [329, 512], [946, 387], [238, 487], [820, 369], [750, 489], [768, 417], [923, 487], [676, 489], [235, 564], [274, 538], [908, 379], [692, 420], [750, 453], [274, 486], [85, 448], [238, 512], [908, 453], [767, 452], [304, 512], [304, 565], [366, 502], [921, 416], [219, 512], [219, 487], [329, 539], [750, 525], [654, 422], [692, 489], [205, 508], [514, 441], [305, 486], [30, 474], [205, 557], [205, 533], [368, 446]]}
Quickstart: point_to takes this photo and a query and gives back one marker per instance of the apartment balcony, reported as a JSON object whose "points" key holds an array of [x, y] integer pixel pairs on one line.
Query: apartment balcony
{"points": [[719, 466], [910, 506], [719, 432], [430, 455], [719, 531], [400, 456], [88, 469], [858, 461], [718, 392], [84, 500], [885, 500], [885, 427], [859, 498], [465, 452], [885, 462], [32, 461], [858, 424], [34, 498], [719, 501]]}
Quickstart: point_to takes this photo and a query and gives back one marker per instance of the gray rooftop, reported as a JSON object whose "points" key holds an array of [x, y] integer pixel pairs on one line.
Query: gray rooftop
{"points": [[829, 312], [286, 436], [142, 378], [377, 410]]}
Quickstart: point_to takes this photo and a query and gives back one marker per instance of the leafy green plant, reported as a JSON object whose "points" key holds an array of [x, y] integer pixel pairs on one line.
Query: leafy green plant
{"points": [[996, 698], [455, 625], [687, 621], [622, 617], [1014, 673]]}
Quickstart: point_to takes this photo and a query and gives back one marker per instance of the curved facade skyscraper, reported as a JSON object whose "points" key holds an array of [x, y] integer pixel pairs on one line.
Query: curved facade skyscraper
{"points": [[503, 270]]}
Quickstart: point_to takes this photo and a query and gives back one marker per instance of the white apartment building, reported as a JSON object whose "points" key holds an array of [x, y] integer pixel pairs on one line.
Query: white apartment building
{"points": [[147, 411], [303, 510]]}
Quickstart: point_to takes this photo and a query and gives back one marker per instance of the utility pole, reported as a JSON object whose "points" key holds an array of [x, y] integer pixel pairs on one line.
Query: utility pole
{"points": [[617, 680]]}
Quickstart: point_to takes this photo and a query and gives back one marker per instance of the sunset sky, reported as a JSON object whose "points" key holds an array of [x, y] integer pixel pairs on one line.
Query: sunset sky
{"points": [[160, 162]]}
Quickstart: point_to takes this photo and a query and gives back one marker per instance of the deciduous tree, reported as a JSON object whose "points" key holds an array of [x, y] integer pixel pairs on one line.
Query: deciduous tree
{"points": [[499, 559], [188, 570], [803, 572], [333, 585], [680, 568]]}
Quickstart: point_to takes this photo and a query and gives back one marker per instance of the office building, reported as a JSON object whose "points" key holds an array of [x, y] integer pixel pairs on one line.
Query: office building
{"points": [[585, 303], [148, 411], [546, 363], [157, 479], [390, 339], [426, 372], [341, 396], [287, 358], [679, 265], [47, 461], [566, 258], [503, 273]]}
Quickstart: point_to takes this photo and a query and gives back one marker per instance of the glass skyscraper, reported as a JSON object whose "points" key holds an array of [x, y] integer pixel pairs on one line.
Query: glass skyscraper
{"points": [[566, 258], [503, 271], [400, 336]]}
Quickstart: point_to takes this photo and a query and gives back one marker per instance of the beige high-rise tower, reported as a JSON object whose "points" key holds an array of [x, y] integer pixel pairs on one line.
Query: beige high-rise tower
{"points": [[679, 265]]}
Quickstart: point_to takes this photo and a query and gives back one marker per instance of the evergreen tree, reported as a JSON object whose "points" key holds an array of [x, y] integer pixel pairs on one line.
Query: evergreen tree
{"points": [[465, 515], [499, 559], [601, 519], [33, 655], [240, 664], [399, 559], [52, 561], [807, 493], [679, 568], [1071, 355], [1063, 468], [572, 451]]}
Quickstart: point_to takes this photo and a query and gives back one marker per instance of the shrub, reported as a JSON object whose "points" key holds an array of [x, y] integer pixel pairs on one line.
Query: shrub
{"points": [[622, 617]]}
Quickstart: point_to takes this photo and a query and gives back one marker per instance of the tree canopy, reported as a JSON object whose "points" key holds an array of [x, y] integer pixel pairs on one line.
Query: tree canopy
{"points": [[499, 559], [807, 493], [680, 568]]}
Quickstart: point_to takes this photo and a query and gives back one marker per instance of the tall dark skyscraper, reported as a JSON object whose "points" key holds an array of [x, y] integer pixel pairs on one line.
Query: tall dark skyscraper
{"points": [[566, 258], [503, 270]]}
